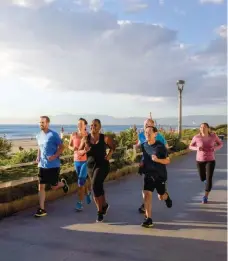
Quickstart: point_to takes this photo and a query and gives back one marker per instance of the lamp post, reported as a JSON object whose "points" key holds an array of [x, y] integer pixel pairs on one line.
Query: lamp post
{"points": [[180, 87]]}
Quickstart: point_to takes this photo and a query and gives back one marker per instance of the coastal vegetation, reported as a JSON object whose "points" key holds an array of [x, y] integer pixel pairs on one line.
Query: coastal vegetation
{"points": [[124, 154]]}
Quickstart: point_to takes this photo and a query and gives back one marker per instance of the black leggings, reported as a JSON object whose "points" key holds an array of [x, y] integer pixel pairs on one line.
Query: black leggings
{"points": [[98, 175], [206, 171]]}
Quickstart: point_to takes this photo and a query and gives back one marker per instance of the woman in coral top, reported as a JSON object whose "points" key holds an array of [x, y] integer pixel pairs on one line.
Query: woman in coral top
{"points": [[80, 163], [205, 143]]}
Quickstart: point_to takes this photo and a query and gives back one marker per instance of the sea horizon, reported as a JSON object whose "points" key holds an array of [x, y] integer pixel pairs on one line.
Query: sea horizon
{"points": [[29, 131]]}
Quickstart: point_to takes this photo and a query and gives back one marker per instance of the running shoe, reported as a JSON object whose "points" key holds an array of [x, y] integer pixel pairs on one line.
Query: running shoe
{"points": [[168, 202], [79, 206], [65, 187], [148, 223], [40, 213], [100, 217], [89, 198], [205, 200], [141, 209]]}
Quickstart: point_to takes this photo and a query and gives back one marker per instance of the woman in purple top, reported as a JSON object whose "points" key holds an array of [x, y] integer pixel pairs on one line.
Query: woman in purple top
{"points": [[205, 143]]}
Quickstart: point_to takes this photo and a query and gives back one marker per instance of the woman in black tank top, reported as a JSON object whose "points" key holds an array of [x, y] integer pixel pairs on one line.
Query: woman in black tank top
{"points": [[95, 145], [97, 153]]}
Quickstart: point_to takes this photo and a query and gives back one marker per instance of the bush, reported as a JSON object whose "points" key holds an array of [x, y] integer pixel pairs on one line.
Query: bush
{"points": [[5, 162], [127, 138], [130, 155], [221, 131], [221, 126], [179, 145], [24, 156], [5, 148], [67, 151]]}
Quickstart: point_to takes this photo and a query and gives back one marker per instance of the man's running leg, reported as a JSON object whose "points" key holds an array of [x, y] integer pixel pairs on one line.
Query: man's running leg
{"points": [[163, 194]]}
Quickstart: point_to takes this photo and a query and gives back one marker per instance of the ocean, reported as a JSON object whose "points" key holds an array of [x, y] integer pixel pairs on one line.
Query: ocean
{"points": [[16, 132]]}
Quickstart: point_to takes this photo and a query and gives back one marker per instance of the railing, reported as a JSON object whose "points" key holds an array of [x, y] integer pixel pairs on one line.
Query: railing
{"points": [[135, 151]]}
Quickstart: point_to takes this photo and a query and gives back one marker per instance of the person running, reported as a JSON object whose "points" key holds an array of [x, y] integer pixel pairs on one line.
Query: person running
{"points": [[159, 137], [95, 145], [155, 160], [80, 163], [50, 148], [205, 143]]}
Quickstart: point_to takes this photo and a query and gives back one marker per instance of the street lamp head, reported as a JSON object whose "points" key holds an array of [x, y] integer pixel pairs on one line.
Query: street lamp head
{"points": [[180, 85]]}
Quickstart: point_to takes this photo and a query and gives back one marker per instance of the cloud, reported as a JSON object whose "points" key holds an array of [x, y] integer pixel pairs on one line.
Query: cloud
{"points": [[222, 31], [93, 51], [132, 6], [215, 54], [161, 2], [26, 3], [212, 1], [94, 5]]}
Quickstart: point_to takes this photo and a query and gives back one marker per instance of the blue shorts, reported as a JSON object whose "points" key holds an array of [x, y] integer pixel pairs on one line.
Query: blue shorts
{"points": [[81, 172], [78, 165]]}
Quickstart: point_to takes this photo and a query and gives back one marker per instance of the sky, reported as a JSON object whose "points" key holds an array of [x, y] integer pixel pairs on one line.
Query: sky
{"points": [[113, 57]]}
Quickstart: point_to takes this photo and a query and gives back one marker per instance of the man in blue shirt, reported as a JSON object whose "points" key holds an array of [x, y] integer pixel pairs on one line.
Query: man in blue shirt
{"points": [[50, 148], [159, 136], [155, 159]]}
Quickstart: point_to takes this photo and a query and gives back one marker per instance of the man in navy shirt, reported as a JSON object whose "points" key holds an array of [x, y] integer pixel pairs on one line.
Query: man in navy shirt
{"points": [[159, 137], [155, 159], [50, 148]]}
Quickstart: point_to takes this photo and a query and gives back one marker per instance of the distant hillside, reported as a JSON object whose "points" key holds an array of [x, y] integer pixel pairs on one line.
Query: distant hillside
{"points": [[193, 120], [109, 120], [196, 120]]}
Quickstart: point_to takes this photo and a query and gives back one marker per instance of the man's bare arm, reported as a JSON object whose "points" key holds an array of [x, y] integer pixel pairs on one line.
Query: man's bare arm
{"points": [[38, 156]]}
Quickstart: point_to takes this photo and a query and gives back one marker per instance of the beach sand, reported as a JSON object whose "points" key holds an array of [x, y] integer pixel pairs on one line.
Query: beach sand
{"points": [[26, 144]]}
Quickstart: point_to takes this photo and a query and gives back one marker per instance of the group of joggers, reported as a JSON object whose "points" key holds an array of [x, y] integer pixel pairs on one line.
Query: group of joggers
{"points": [[92, 152]]}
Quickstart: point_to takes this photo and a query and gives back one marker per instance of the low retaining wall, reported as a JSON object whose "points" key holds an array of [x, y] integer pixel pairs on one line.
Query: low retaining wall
{"points": [[22, 194]]}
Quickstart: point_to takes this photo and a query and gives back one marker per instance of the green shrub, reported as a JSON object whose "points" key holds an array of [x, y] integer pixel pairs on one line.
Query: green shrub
{"points": [[179, 145], [221, 132], [127, 138], [188, 134], [130, 155], [5, 148], [221, 126], [67, 151], [24, 156], [5, 162]]}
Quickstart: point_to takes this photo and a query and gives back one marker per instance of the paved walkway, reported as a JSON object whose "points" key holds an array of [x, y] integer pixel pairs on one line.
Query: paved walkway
{"points": [[188, 231]]}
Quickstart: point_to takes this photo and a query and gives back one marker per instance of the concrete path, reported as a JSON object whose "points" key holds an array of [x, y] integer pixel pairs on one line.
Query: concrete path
{"points": [[189, 231]]}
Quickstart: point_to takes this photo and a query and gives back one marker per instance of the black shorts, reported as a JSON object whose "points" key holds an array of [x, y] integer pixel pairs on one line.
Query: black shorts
{"points": [[150, 184], [49, 176]]}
